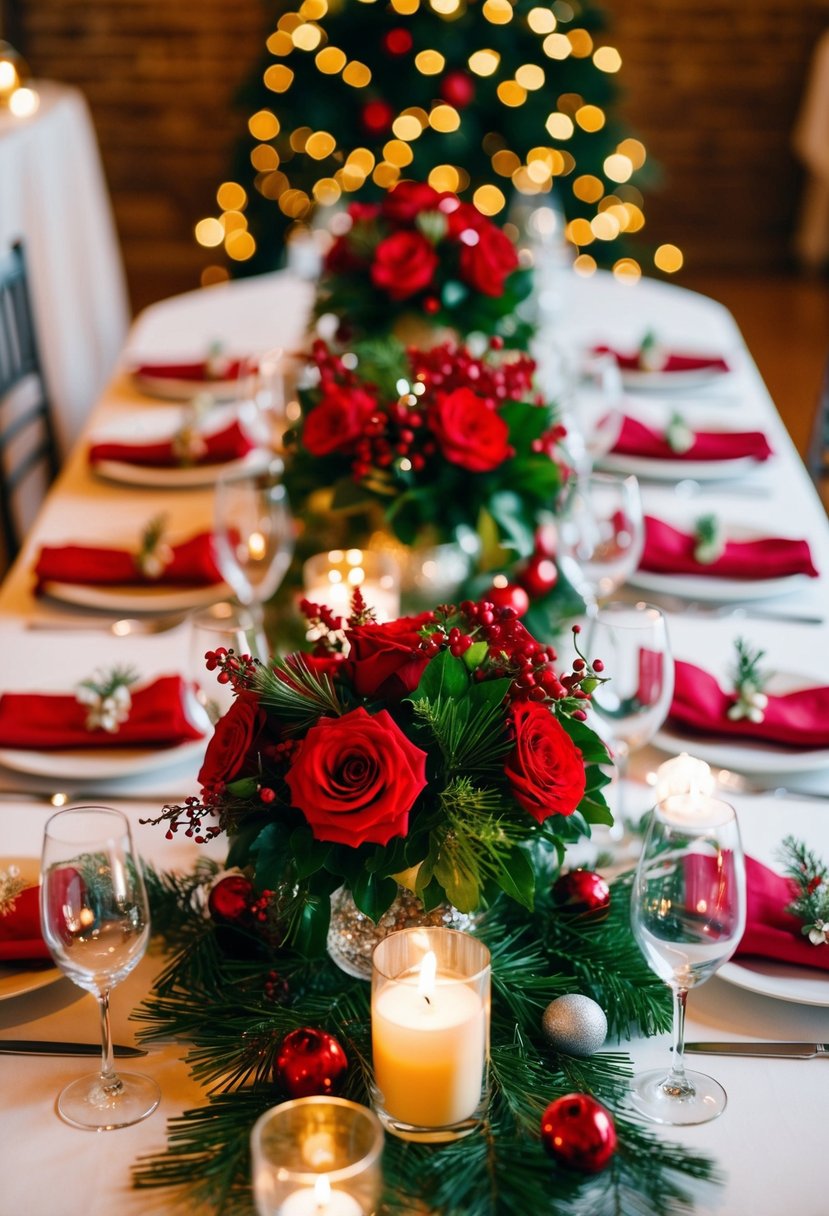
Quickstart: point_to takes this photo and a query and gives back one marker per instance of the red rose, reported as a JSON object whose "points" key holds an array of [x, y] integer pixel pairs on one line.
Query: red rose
{"points": [[408, 199], [545, 768], [404, 264], [234, 745], [337, 421], [386, 660], [341, 258], [356, 778], [488, 256], [363, 213], [469, 433]]}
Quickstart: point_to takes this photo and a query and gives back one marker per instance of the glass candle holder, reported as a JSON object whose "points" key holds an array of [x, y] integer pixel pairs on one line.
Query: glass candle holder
{"points": [[430, 1012], [316, 1157], [331, 579]]}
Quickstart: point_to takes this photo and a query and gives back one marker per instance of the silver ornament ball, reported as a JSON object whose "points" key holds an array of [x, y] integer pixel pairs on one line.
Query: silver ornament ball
{"points": [[575, 1024]]}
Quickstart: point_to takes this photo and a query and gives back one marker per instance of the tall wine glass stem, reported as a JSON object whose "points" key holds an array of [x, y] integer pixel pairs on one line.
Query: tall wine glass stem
{"points": [[110, 1081], [676, 1083], [621, 756]]}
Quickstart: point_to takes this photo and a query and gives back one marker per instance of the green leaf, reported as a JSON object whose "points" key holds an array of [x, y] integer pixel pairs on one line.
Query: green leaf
{"points": [[517, 878], [592, 748], [349, 495], [515, 520], [245, 787], [309, 854], [444, 678], [462, 886], [271, 855], [373, 894], [475, 654]]}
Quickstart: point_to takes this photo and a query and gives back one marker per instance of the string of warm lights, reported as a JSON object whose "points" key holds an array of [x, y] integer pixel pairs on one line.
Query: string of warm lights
{"points": [[492, 98], [16, 94]]}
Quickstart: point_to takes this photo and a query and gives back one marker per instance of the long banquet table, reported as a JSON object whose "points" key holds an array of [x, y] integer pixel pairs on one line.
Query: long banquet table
{"points": [[768, 1145]]}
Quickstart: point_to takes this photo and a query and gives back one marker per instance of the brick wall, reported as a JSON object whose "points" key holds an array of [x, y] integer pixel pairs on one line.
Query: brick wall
{"points": [[712, 86]]}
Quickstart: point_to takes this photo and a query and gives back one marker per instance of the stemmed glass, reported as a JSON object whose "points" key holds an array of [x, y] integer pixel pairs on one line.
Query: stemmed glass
{"points": [[254, 531], [632, 642], [602, 534], [594, 412], [96, 923], [263, 397], [688, 912]]}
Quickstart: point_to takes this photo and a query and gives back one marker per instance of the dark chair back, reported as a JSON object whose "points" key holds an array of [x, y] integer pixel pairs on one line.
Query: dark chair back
{"points": [[28, 446]]}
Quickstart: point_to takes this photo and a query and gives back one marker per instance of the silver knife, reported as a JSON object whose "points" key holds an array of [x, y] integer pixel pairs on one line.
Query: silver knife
{"points": [[42, 1047], [783, 1051]]}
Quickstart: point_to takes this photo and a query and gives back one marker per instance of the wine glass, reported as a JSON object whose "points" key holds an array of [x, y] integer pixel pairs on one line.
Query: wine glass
{"points": [[228, 625], [688, 912], [602, 534], [632, 642], [96, 923], [263, 398], [254, 532], [594, 412]]}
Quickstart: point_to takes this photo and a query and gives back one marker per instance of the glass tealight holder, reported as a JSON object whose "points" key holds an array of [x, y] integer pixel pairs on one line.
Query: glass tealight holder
{"points": [[316, 1157], [332, 578], [430, 1013]]}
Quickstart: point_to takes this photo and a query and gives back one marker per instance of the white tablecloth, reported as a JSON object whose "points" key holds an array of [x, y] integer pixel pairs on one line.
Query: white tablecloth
{"points": [[769, 1142], [53, 197]]}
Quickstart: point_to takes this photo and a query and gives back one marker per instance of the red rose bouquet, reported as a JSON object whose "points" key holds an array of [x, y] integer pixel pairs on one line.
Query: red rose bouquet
{"points": [[422, 252], [443, 746], [445, 443]]}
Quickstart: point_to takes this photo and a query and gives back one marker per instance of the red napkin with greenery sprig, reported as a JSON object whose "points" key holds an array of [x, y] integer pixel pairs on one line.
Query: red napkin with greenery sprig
{"points": [[20, 936], [795, 719], [202, 371], [673, 361], [192, 564], [771, 931], [158, 717], [669, 550], [637, 439], [230, 443]]}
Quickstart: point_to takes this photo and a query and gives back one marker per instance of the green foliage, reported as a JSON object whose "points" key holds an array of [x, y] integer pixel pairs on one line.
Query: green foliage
{"points": [[236, 1029]]}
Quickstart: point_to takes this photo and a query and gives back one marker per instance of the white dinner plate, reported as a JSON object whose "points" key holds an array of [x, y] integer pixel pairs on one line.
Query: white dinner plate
{"points": [[656, 469], [763, 825], [18, 978], [97, 763], [183, 478], [171, 388], [638, 379], [117, 598], [704, 587], [746, 755]]}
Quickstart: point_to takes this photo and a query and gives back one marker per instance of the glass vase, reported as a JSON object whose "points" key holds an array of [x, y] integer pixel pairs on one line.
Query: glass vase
{"points": [[352, 935]]}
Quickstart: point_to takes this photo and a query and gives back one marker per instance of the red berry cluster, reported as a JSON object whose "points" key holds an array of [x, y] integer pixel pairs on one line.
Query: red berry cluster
{"points": [[192, 813], [235, 669], [320, 617], [512, 653], [447, 367], [276, 988], [397, 432]]}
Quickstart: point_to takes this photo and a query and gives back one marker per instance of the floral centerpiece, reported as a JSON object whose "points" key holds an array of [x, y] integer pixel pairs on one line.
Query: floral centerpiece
{"points": [[426, 255], [441, 446], [442, 748]]}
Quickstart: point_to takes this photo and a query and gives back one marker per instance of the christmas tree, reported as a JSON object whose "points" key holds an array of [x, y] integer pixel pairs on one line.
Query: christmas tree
{"points": [[494, 99]]}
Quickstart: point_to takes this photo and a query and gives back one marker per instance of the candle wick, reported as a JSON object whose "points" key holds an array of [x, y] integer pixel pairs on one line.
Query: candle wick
{"points": [[426, 999]]}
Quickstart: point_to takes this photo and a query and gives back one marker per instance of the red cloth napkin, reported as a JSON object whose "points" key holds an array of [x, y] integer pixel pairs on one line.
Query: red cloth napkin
{"points": [[193, 564], [231, 443], [56, 720], [637, 439], [771, 932], [670, 551], [796, 719], [198, 372], [20, 936], [674, 361]]}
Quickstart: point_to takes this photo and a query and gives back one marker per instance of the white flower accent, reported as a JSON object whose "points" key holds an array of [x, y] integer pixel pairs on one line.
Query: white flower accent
{"points": [[819, 933], [750, 704], [108, 700], [11, 884], [153, 562]]}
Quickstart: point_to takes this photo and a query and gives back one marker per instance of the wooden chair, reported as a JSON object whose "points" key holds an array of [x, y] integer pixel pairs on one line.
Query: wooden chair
{"points": [[28, 447]]}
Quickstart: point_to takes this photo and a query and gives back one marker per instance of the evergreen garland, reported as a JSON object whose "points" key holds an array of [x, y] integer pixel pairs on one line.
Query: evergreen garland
{"points": [[214, 993]]}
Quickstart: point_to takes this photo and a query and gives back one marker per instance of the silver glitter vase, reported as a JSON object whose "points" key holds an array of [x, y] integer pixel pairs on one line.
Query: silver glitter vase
{"points": [[352, 935]]}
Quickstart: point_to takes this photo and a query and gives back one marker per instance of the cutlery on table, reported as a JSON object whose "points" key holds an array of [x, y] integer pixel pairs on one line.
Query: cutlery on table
{"points": [[674, 603], [42, 1047], [783, 1051]]}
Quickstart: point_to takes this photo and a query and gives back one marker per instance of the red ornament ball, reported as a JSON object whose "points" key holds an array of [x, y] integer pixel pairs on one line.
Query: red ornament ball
{"points": [[579, 1132], [458, 89], [310, 1062], [539, 576], [230, 899], [398, 42], [581, 891], [546, 540], [377, 117], [511, 596]]}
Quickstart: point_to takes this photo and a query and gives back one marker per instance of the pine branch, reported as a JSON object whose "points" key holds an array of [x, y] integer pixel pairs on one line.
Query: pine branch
{"points": [[297, 695]]}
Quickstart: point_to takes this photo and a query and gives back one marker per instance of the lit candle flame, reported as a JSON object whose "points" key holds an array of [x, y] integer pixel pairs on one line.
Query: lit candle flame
{"points": [[257, 546], [322, 1192], [428, 971]]}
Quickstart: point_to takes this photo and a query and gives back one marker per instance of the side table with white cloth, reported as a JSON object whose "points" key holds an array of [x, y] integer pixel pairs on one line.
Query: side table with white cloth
{"points": [[54, 198], [768, 1144]]}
